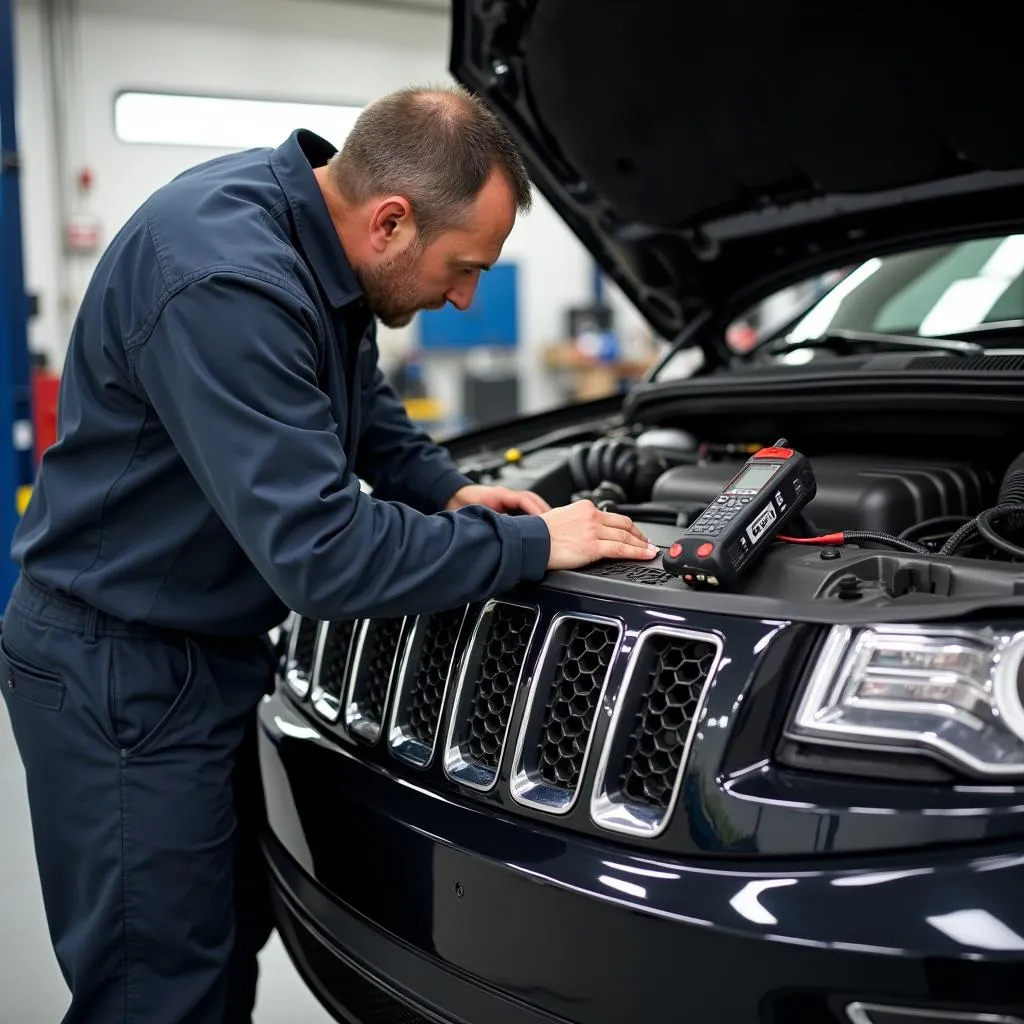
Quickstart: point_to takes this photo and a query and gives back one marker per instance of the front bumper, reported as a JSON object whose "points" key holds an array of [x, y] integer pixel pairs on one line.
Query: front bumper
{"points": [[401, 905]]}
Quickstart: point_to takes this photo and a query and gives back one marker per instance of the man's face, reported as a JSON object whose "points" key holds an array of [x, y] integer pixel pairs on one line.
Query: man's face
{"points": [[421, 276]]}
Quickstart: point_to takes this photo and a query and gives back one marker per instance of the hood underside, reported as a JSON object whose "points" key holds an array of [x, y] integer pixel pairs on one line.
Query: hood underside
{"points": [[707, 154]]}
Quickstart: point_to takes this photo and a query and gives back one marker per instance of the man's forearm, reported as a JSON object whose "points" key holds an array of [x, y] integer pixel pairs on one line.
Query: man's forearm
{"points": [[398, 458]]}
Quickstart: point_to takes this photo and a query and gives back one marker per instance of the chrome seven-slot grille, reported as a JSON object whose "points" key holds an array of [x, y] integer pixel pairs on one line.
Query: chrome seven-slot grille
{"points": [[393, 678]]}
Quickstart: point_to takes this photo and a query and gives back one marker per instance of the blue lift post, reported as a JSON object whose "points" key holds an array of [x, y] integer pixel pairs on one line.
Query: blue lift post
{"points": [[16, 466]]}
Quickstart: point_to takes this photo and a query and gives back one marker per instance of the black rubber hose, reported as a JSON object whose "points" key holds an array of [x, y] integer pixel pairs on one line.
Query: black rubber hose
{"points": [[620, 461], [1008, 513]]}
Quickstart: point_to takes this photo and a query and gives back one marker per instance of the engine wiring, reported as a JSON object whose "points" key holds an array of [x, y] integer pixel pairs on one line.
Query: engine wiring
{"points": [[934, 526], [1009, 508], [986, 529], [618, 473], [982, 525], [859, 536]]}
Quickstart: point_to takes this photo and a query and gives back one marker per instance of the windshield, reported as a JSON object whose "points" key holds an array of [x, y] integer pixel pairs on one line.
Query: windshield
{"points": [[939, 291]]}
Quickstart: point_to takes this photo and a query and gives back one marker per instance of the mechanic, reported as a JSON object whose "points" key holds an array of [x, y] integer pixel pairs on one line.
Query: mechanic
{"points": [[220, 402]]}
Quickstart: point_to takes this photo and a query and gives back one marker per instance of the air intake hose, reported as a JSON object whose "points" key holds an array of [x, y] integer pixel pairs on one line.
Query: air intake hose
{"points": [[630, 469], [1011, 492]]}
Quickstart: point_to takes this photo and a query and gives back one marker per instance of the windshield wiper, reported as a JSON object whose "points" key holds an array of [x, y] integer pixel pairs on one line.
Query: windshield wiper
{"points": [[778, 346], [990, 327]]}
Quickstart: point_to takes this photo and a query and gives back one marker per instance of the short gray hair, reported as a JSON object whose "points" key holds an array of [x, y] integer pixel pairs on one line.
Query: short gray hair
{"points": [[436, 147]]}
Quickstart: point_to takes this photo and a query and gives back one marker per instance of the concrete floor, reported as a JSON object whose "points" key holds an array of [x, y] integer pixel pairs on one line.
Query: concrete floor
{"points": [[33, 990]]}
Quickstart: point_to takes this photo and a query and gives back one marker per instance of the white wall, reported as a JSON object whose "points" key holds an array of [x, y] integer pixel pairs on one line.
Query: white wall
{"points": [[316, 50], [38, 186]]}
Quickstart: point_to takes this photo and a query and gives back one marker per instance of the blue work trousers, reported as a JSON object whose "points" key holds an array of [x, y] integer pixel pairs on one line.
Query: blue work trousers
{"points": [[140, 759]]}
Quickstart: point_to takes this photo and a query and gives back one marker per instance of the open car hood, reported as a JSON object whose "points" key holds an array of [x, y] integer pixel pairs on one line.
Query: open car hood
{"points": [[708, 154]]}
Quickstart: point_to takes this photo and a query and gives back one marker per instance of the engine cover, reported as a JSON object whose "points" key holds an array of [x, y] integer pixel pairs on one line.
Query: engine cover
{"points": [[854, 493]]}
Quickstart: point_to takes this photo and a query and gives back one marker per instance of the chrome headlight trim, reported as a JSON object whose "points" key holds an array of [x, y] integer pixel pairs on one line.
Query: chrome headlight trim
{"points": [[830, 692]]}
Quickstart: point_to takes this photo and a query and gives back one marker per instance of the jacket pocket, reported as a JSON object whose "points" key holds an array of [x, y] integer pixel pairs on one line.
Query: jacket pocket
{"points": [[22, 681]]}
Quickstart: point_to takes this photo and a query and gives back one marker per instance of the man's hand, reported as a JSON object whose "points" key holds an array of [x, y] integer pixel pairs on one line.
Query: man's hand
{"points": [[500, 499], [581, 534]]}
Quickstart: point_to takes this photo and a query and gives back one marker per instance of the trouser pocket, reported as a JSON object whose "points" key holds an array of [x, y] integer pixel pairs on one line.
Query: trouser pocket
{"points": [[22, 681], [155, 687]]}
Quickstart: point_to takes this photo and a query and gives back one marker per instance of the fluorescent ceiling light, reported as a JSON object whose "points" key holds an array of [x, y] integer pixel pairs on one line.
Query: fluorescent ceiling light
{"points": [[223, 123]]}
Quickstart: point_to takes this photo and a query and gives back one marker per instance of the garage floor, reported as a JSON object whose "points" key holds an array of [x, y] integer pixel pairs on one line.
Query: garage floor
{"points": [[33, 990]]}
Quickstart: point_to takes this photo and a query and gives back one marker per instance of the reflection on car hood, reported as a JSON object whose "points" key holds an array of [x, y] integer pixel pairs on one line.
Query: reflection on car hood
{"points": [[707, 154]]}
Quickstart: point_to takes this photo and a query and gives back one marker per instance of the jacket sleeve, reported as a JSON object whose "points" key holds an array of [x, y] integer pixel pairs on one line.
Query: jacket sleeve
{"points": [[397, 458], [230, 369]]}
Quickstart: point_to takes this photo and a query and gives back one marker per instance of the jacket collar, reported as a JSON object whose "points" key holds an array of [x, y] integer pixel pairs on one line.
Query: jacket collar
{"points": [[293, 164]]}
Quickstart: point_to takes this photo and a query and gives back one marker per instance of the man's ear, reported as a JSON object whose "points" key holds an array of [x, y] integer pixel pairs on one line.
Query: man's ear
{"points": [[391, 222]]}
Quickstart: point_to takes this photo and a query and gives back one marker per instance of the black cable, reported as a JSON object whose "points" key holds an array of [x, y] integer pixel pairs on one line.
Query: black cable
{"points": [[982, 526], [966, 533], [887, 539], [936, 522], [1009, 507], [853, 536], [1010, 514]]}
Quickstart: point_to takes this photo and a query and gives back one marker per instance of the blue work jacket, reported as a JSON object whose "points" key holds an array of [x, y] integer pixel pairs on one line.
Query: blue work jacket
{"points": [[219, 403]]}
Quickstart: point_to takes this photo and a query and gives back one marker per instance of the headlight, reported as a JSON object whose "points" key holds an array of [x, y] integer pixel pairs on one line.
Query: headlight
{"points": [[954, 693]]}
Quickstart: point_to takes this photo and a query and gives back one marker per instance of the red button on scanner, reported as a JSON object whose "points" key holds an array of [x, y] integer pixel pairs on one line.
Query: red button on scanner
{"points": [[774, 453], [675, 551], [704, 550]]}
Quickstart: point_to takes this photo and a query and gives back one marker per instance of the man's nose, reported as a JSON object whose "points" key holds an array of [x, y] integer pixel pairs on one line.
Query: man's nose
{"points": [[461, 296]]}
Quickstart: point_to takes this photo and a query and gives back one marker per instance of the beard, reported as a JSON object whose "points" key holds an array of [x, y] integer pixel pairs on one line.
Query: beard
{"points": [[392, 289]]}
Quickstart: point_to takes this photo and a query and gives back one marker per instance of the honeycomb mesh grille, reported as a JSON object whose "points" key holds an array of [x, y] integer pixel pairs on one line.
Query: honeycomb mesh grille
{"points": [[305, 645], [501, 662], [425, 691], [371, 692], [335, 657], [676, 670], [572, 704]]}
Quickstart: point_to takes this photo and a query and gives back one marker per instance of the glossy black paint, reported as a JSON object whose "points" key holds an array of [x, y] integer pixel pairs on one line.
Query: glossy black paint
{"points": [[778, 205], [735, 800], [469, 910]]}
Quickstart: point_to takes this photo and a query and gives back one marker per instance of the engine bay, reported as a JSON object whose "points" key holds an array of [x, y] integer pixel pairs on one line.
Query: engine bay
{"points": [[883, 528]]}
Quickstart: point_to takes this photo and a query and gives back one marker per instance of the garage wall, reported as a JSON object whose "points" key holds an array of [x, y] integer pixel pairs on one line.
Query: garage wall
{"points": [[38, 181], [315, 50]]}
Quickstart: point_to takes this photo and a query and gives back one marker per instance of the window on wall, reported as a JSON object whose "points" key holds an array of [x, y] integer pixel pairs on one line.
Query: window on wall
{"points": [[224, 123]]}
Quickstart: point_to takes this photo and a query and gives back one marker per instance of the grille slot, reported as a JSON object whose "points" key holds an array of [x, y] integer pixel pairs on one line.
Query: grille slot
{"points": [[655, 717], [422, 684], [375, 661], [301, 654], [332, 664], [487, 691], [555, 739]]}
